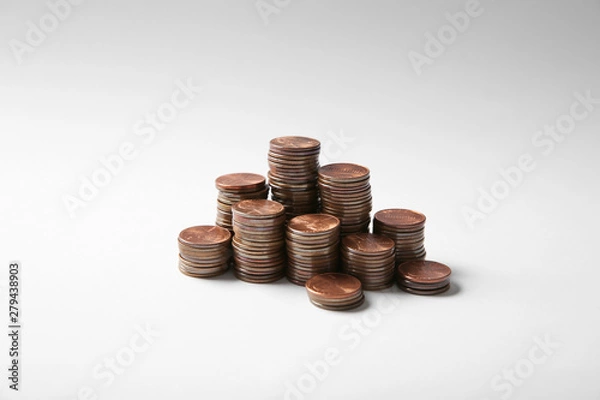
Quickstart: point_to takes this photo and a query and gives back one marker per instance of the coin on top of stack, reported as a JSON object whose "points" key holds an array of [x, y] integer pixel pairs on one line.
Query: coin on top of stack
{"points": [[334, 291], [237, 187], [424, 277], [346, 193], [312, 244], [259, 240], [293, 167], [204, 251], [370, 258], [406, 228]]}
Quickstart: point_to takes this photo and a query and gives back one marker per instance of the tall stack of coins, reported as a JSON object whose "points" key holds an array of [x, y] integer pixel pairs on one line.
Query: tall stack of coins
{"points": [[259, 241], [312, 243], [293, 166], [370, 258], [334, 291], [406, 228], [346, 193], [204, 251], [237, 187], [424, 277]]}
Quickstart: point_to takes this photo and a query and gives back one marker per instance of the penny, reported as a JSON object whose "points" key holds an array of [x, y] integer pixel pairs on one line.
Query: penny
{"points": [[344, 172], [204, 236], [333, 286], [342, 307], [312, 246], [406, 228], [428, 272], [240, 182], [397, 217], [368, 243], [258, 209], [294, 144], [425, 292]]}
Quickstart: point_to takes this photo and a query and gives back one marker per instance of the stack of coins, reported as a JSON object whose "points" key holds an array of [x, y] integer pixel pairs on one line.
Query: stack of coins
{"points": [[312, 243], [259, 241], [406, 228], [346, 193], [370, 258], [424, 277], [204, 251], [293, 167], [334, 291], [237, 187]]}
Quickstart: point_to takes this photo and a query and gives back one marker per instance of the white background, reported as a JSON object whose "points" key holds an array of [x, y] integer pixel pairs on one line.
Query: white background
{"points": [[528, 270]]}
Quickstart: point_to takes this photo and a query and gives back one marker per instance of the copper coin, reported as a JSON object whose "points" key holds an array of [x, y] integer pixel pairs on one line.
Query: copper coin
{"points": [[423, 271], [343, 172], [294, 143], [398, 217], [258, 208], [345, 307], [240, 182], [368, 243], [333, 285], [204, 236], [422, 292]]}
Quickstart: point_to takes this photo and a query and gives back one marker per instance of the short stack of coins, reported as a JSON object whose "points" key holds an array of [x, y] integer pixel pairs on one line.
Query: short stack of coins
{"points": [[345, 192], [406, 228], [204, 251], [370, 258], [237, 187], [424, 277], [259, 240], [335, 291], [293, 167], [312, 244]]}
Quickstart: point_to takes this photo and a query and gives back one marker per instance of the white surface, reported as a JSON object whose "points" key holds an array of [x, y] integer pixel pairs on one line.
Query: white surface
{"points": [[431, 141]]}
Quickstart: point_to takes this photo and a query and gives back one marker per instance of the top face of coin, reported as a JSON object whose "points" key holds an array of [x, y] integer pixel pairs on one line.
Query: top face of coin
{"points": [[204, 235], [292, 143], [368, 243], [343, 172], [240, 181], [333, 285], [423, 271], [400, 217], [313, 223], [258, 208]]}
